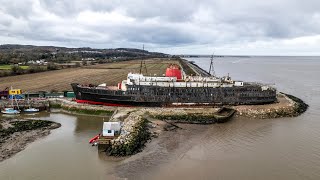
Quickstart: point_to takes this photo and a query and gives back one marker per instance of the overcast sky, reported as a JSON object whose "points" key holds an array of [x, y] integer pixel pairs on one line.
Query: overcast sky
{"points": [[248, 27]]}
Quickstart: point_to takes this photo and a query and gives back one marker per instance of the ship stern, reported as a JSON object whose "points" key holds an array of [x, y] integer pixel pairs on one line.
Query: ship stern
{"points": [[76, 90]]}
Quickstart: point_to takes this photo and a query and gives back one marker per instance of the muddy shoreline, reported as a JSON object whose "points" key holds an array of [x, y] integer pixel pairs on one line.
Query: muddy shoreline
{"points": [[16, 134]]}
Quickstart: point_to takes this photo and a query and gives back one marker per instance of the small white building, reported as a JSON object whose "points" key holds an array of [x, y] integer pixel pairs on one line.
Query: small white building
{"points": [[38, 62], [111, 128], [88, 59]]}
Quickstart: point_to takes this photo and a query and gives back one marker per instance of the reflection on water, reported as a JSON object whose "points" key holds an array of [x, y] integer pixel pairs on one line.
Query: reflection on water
{"points": [[38, 115], [284, 148], [85, 123]]}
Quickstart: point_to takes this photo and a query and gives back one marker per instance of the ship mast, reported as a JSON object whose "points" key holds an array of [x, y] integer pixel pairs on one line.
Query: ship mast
{"points": [[211, 69], [145, 66], [143, 62]]}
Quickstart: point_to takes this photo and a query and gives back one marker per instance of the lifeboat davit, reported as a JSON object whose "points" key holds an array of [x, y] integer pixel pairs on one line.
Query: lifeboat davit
{"points": [[174, 71]]}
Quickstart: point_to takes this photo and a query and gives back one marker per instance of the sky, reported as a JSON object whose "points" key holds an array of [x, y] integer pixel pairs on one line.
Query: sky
{"points": [[229, 27]]}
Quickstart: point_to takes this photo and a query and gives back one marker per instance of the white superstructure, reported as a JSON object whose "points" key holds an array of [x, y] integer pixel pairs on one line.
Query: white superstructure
{"points": [[190, 81]]}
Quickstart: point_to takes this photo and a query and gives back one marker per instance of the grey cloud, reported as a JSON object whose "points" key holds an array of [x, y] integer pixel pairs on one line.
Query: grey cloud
{"points": [[68, 8], [159, 22], [158, 35], [17, 9]]}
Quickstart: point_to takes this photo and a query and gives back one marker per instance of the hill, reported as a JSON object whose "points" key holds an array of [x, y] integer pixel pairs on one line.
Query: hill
{"points": [[60, 80], [14, 53]]}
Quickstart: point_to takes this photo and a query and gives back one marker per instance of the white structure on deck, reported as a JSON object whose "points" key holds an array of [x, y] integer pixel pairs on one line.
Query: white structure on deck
{"points": [[111, 128], [190, 81]]}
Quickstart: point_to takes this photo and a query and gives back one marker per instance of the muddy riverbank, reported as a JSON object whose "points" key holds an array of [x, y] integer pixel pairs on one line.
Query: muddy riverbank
{"points": [[16, 134]]}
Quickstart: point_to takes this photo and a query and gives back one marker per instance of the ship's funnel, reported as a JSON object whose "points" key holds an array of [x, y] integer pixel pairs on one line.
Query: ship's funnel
{"points": [[174, 71]]}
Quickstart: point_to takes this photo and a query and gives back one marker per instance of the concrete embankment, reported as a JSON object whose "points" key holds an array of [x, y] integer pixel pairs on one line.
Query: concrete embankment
{"points": [[190, 68], [287, 106], [184, 115], [74, 107], [135, 134]]}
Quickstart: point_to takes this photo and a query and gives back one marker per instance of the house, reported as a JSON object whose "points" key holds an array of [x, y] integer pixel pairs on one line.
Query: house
{"points": [[111, 128], [88, 59], [38, 62]]}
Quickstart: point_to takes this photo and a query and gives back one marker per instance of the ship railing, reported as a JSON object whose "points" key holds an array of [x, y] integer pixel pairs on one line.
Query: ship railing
{"points": [[264, 85], [259, 83]]}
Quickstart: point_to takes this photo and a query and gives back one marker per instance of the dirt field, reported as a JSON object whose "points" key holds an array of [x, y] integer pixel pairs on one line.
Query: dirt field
{"points": [[60, 80]]}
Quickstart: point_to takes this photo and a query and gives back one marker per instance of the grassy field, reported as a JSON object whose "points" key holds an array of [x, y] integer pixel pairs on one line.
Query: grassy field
{"points": [[60, 80], [8, 67]]}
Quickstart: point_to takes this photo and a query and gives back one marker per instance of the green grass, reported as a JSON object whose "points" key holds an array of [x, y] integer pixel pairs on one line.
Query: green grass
{"points": [[88, 111], [82, 111], [5, 67], [8, 67], [52, 105], [24, 67]]}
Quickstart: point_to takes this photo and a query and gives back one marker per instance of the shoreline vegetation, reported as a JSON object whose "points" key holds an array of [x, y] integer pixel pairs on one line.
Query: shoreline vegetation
{"points": [[16, 134], [75, 108]]}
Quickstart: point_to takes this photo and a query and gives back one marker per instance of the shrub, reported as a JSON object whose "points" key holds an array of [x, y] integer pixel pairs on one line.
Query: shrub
{"points": [[16, 70], [52, 66]]}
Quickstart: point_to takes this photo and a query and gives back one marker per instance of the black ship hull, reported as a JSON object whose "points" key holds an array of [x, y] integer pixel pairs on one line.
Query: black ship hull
{"points": [[156, 96]]}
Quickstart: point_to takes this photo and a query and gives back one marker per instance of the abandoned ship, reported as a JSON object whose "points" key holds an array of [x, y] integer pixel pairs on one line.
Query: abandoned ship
{"points": [[174, 89]]}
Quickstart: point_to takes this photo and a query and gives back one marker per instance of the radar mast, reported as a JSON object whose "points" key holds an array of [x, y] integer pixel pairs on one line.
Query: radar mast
{"points": [[211, 69]]}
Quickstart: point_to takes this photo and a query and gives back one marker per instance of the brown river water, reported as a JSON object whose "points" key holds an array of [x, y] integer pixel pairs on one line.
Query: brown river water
{"points": [[283, 148]]}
